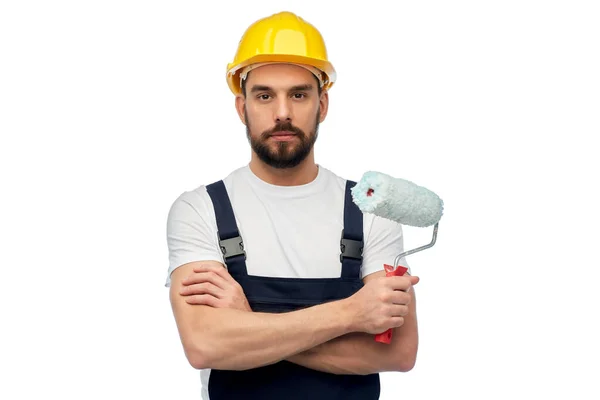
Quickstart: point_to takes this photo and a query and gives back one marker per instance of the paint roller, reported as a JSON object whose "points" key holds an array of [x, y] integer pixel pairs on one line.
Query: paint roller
{"points": [[401, 201]]}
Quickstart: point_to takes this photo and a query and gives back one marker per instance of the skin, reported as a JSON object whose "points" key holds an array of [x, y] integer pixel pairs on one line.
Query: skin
{"points": [[334, 337], [210, 307], [276, 96]]}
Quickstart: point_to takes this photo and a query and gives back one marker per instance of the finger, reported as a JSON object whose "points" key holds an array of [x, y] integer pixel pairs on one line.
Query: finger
{"points": [[400, 297], [209, 276], [414, 279], [202, 288], [207, 267], [399, 282], [203, 268], [219, 270], [203, 299], [218, 280], [398, 310], [397, 322], [224, 273]]}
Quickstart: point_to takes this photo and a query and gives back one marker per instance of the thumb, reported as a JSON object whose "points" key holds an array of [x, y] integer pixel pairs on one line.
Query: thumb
{"points": [[414, 279]]}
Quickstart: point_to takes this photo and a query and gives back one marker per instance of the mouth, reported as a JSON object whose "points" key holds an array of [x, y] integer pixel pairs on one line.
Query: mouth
{"points": [[283, 135]]}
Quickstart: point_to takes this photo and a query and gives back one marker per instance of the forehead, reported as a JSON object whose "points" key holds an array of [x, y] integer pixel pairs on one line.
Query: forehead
{"points": [[280, 76]]}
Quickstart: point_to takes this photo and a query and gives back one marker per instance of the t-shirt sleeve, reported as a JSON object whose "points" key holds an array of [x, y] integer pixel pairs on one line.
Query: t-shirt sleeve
{"points": [[191, 231], [384, 240]]}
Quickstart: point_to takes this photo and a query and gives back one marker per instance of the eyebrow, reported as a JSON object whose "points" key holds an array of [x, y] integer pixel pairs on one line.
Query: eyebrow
{"points": [[260, 88], [304, 87]]}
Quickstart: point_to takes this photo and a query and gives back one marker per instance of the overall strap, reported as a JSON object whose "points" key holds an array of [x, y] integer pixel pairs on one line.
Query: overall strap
{"points": [[351, 243], [230, 240]]}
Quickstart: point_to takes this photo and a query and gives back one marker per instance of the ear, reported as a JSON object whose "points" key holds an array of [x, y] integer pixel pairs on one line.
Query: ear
{"points": [[324, 104], [240, 104]]}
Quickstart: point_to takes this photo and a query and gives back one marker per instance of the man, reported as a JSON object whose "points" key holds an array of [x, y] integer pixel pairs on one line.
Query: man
{"points": [[276, 278]]}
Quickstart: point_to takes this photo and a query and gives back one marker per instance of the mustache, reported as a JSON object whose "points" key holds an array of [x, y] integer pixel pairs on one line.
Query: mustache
{"points": [[286, 126]]}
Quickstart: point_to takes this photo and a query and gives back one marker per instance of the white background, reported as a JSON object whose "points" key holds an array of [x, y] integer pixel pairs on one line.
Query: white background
{"points": [[110, 109]]}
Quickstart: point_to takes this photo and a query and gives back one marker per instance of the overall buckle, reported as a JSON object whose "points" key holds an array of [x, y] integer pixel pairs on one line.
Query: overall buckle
{"points": [[232, 247], [350, 248]]}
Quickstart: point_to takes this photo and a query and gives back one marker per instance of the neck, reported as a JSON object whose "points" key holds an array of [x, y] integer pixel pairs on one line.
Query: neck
{"points": [[302, 174]]}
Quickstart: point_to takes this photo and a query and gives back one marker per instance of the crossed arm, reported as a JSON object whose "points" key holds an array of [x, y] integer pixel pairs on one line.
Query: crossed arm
{"points": [[358, 353], [320, 337]]}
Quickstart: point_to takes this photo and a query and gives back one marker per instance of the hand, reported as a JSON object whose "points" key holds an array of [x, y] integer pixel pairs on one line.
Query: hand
{"points": [[213, 286], [382, 303]]}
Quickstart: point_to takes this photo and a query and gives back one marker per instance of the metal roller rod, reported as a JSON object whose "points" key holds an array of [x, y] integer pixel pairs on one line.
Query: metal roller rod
{"points": [[406, 253]]}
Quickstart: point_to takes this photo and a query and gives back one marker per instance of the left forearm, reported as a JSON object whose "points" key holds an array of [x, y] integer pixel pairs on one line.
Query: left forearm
{"points": [[343, 355], [359, 353], [354, 354]]}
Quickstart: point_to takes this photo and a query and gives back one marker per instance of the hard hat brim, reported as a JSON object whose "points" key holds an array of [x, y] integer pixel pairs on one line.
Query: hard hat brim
{"points": [[233, 78]]}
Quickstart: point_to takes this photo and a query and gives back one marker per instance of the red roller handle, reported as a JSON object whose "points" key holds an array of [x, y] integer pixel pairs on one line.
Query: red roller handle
{"points": [[386, 337]]}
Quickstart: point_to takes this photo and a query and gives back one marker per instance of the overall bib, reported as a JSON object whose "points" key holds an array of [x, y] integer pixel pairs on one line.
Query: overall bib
{"points": [[285, 380]]}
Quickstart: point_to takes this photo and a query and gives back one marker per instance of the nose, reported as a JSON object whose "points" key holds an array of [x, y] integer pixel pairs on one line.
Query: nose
{"points": [[283, 112]]}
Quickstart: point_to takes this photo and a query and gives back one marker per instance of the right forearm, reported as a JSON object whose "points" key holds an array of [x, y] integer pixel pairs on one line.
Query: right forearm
{"points": [[238, 340]]}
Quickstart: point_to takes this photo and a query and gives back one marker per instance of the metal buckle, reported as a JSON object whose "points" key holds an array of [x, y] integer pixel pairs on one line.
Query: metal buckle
{"points": [[351, 248], [232, 247]]}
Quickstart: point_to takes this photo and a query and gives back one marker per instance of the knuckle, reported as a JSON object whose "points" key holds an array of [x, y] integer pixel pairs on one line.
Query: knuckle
{"points": [[385, 295], [210, 275], [388, 310], [403, 298], [203, 288], [196, 299], [403, 284], [201, 268]]}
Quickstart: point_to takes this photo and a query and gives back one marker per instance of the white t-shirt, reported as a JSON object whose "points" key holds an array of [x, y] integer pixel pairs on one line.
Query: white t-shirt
{"points": [[288, 231]]}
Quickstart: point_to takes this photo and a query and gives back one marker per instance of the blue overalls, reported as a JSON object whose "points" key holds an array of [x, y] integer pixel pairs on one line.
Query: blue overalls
{"points": [[285, 380]]}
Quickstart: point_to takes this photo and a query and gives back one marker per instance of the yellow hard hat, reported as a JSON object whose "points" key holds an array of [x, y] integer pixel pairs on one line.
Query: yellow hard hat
{"points": [[282, 37]]}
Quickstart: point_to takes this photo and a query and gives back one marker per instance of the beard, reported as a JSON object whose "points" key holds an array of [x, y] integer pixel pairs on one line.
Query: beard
{"points": [[283, 154]]}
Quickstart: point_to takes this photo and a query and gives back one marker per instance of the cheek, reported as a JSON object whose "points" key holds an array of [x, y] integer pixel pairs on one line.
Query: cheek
{"points": [[257, 120], [309, 120]]}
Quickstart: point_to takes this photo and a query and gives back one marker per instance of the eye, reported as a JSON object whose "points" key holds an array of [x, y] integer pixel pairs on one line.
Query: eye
{"points": [[299, 95], [263, 96]]}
